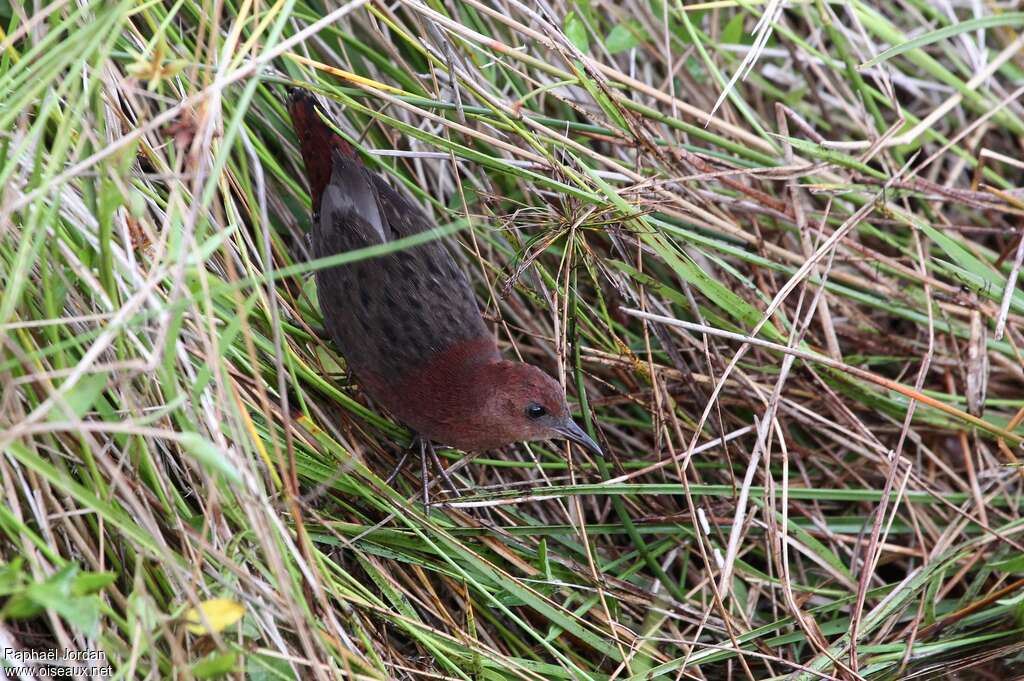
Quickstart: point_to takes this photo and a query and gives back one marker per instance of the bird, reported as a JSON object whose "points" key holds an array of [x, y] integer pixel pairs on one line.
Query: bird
{"points": [[407, 322]]}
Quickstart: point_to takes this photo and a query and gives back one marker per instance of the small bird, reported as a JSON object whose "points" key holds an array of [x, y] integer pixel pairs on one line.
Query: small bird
{"points": [[408, 322]]}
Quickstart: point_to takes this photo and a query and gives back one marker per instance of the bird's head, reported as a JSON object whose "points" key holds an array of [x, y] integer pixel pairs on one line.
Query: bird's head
{"points": [[523, 403]]}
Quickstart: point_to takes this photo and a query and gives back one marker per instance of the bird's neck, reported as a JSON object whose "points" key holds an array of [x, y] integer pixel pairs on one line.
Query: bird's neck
{"points": [[459, 367], [317, 143], [448, 386]]}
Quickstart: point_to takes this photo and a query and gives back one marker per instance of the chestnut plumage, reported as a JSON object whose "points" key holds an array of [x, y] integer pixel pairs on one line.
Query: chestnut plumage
{"points": [[408, 322]]}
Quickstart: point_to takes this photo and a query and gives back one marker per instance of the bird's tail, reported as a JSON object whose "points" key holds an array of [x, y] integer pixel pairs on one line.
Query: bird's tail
{"points": [[316, 141]]}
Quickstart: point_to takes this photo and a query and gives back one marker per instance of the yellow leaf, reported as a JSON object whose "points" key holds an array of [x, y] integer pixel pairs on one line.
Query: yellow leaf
{"points": [[221, 613]]}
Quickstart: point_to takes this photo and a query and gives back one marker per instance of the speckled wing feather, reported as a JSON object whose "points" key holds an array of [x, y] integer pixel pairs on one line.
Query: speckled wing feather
{"points": [[391, 313]]}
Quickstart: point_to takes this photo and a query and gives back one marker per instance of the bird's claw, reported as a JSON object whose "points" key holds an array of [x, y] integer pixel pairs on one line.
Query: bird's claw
{"points": [[427, 452]]}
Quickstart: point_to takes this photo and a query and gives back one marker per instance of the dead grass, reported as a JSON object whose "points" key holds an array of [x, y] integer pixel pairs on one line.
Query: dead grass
{"points": [[775, 265]]}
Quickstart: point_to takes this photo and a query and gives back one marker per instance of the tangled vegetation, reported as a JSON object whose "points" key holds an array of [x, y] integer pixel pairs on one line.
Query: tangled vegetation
{"points": [[771, 248]]}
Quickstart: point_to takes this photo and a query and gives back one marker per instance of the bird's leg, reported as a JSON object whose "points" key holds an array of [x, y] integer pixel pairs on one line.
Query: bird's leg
{"points": [[398, 468], [424, 444], [427, 451], [444, 472]]}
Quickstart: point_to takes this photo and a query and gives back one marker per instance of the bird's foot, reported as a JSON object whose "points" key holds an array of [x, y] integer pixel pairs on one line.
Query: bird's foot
{"points": [[398, 468], [428, 456], [448, 482], [302, 249], [427, 452]]}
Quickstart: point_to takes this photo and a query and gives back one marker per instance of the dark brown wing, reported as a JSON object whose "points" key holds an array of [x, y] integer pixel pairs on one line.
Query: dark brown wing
{"points": [[391, 313]]}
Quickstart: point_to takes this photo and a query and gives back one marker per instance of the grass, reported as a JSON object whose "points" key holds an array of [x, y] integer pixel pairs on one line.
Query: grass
{"points": [[772, 252]]}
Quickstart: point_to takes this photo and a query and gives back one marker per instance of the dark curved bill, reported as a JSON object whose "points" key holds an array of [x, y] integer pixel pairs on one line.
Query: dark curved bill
{"points": [[573, 432]]}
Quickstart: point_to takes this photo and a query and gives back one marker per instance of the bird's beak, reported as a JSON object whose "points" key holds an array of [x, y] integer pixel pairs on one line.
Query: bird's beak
{"points": [[570, 430]]}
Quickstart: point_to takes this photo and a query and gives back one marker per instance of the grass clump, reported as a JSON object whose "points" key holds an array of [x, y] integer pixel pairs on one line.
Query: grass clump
{"points": [[771, 249]]}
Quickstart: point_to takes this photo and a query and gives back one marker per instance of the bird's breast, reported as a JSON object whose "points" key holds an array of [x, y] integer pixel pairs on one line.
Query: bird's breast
{"points": [[440, 396]]}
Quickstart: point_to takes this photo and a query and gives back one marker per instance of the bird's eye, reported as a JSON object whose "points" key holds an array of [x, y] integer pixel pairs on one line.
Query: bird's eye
{"points": [[535, 411]]}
